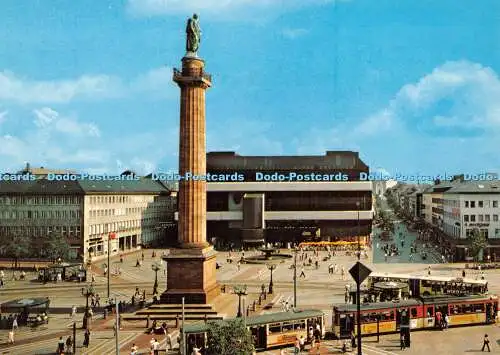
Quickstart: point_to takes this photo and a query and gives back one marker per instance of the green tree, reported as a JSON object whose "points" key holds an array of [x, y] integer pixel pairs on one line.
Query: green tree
{"points": [[56, 246], [479, 242], [229, 338], [18, 246]]}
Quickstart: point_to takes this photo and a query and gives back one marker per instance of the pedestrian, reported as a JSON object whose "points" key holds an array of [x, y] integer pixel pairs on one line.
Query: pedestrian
{"points": [[133, 349], [156, 347], [486, 343], [69, 345], [73, 311], [446, 320], [11, 337], [302, 273], [86, 338], [402, 342], [60, 346], [429, 270], [15, 326]]}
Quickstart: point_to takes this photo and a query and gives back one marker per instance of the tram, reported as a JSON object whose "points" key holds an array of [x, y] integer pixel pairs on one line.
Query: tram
{"points": [[432, 285], [417, 313], [268, 330]]}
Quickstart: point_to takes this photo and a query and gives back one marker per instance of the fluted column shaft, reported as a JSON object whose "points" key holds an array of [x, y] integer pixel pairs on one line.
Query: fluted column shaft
{"points": [[192, 155]]}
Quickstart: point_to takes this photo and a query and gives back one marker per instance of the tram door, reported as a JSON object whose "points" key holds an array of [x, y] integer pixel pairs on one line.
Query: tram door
{"points": [[259, 335], [489, 313], [346, 325]]}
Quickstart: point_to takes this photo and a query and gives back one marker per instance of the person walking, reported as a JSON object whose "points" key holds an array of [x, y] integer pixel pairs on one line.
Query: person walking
{"points": [[486, 343], [69, 345], [302, 273], [134, 349], [15, 326], [156, 347], [11, 337], [73, 311], [86, 338], [60, 346]]}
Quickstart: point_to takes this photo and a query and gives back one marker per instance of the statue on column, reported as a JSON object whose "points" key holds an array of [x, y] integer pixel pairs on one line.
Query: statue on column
{"points": [[193, 35]]}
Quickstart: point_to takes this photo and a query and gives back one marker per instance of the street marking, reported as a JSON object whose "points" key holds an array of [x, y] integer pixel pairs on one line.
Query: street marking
{"points": [[377, 350]]}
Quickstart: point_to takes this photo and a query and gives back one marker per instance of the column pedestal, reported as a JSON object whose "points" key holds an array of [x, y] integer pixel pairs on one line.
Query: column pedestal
{"points": [[191, 274]]}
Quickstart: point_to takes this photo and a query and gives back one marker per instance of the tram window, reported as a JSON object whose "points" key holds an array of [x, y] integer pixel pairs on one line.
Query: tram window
{"points": [[392, 315], [413, 313], [365, 318], [430, 312], [385, 316], [478, 308], [467, 308], [275, 328], [287, 326], [300, 324]]}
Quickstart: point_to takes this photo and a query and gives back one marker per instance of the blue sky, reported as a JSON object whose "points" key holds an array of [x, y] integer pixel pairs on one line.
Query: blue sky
{"points": [[413, 85]]}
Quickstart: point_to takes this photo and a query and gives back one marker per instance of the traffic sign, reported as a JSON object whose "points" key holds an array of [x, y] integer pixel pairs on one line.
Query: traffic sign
{"points": [[359, 272]]}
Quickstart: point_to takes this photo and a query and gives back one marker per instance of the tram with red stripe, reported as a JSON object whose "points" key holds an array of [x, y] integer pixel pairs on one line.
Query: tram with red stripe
{"points": [[417, 313]]}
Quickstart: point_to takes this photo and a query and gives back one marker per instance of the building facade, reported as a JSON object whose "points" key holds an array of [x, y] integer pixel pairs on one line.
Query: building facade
{"points": [[473, 206], [288, 211], [85, 212]]}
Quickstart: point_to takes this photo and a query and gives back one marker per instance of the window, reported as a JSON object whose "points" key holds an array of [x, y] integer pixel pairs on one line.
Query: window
{"points": [[480, 217], [480, 204], [495, 218], [466, 203], [486, 217], [472, 217], [487, 204], [466, 218], [473, 204], [495, 204], [414, 313], [497, 232], [275, 328]]}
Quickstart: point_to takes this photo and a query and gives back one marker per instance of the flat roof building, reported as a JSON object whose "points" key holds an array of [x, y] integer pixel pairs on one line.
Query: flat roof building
{"points": [[287, 198]]}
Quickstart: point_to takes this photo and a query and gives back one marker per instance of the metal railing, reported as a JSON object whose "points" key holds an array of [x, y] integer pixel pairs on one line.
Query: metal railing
{"points": [[201, 74]]}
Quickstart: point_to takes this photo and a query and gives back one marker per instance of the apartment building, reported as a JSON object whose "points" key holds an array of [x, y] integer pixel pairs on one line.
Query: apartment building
{"points": [[85, 212]]}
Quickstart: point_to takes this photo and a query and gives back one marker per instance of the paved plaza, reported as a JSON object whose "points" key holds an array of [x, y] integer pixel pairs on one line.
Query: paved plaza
{"points": [[318, 289]]}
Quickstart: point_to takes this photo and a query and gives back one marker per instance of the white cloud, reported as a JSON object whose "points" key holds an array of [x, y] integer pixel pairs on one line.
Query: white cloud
{"points": [[244, 136], [3, 116], [214, 8], [157, 81], [293, 33], [456, 94], [96, 87], [57, 140]]}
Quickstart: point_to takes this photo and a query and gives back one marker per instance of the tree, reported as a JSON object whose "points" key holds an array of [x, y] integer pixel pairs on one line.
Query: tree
{"points": [[18, 246], [56, 246], [229, 338], [479, 242]]}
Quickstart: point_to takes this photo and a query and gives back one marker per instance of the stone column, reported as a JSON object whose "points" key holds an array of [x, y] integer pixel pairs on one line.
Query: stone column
{"points": [[191, 268], [193, 82]]}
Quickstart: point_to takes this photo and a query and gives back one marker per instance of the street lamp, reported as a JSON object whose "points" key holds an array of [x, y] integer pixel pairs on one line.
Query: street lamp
{"points": [[89, 291], [240, 291], [271, 268], [295, 278], [359, 242], [110, 237], [358, 292], [155, 267]]}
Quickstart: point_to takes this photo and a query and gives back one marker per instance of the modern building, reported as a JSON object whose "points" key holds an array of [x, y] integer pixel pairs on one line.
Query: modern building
{"points": [[288, 198], [471, 206], [85, 212]]}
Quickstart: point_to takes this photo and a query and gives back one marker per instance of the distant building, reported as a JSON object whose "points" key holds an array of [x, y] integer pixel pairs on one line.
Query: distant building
{"points": [[85, 212], [251, 211], [473, 206]]}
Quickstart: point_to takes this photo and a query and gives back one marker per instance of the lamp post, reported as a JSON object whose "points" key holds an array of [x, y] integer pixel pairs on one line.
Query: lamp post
{"points": [[295, 278], [240, 291], [271, 268], [155, 267], [358, 292], [89, 291]]}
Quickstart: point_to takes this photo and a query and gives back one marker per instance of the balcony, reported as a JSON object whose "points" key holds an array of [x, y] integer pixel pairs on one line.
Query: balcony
{"points": [[191, 74]]}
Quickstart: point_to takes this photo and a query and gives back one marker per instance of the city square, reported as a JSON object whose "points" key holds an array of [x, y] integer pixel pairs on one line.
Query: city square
{"points": [[176, 223]]}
